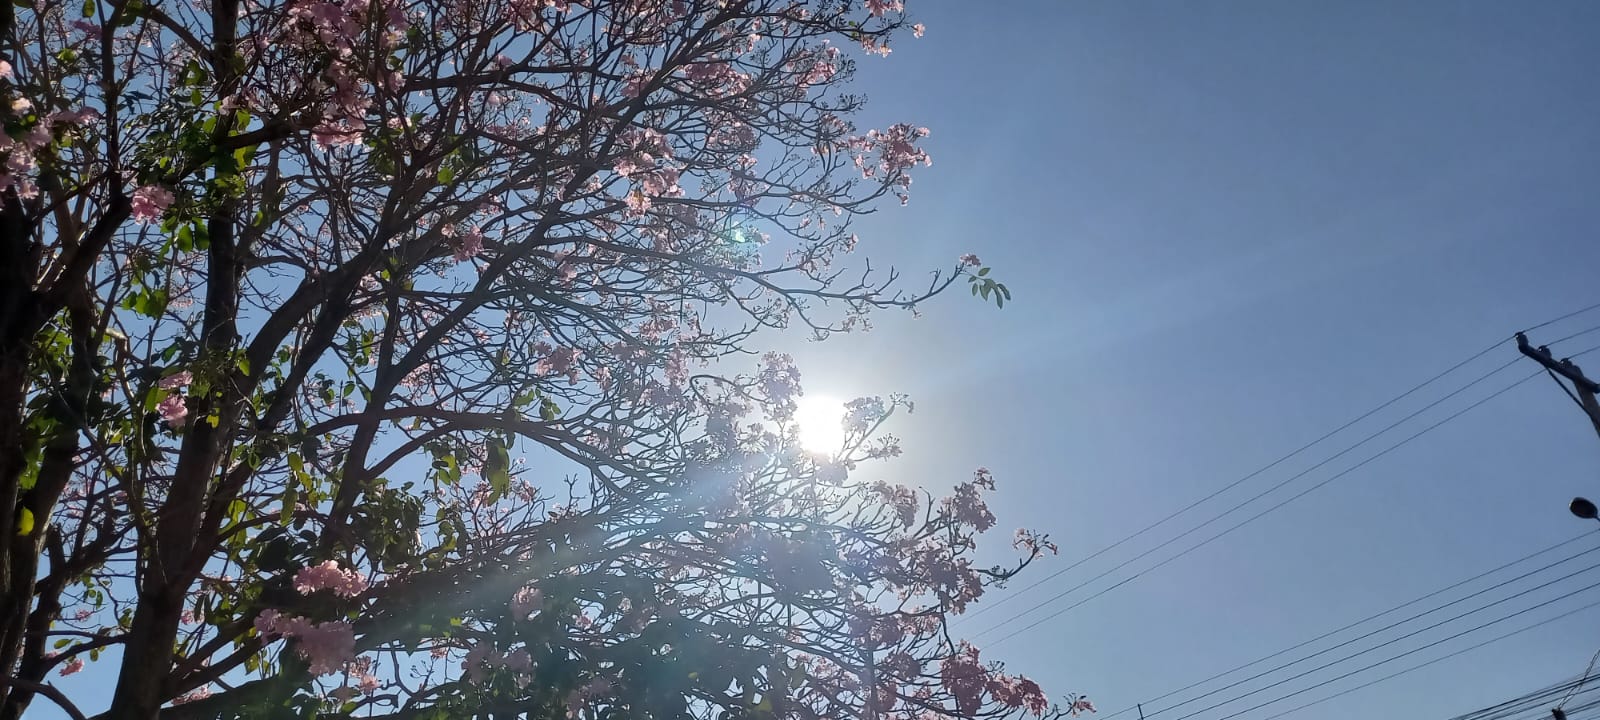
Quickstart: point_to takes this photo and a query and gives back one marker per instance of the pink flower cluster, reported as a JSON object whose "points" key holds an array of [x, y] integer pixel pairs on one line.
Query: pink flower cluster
{"points": [[176, 380], [20, 153], [326, 647], [966, 678], [779, 381], [559, 361], [902, 500], [644, 160], [1019, 692], [896, 149], [966, 505], [338, 29], [329, 576], [526, 602], [879, 7], [199, 693], [149, 202], [471, 244], [483, 660], [173, 410]]}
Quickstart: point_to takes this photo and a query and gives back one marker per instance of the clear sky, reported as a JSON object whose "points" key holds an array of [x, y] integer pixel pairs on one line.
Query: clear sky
{"points": [[1229, 228]]}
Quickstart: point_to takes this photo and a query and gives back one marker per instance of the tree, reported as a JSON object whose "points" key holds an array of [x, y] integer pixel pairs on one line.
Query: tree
{"points": [[372, 356]]}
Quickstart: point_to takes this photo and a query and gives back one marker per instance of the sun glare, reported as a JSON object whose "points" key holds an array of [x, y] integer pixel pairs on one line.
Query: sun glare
{"points": [[820, 421]]}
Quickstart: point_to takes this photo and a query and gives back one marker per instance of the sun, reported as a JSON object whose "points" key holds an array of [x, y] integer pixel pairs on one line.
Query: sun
{"points": [[820, 422]]}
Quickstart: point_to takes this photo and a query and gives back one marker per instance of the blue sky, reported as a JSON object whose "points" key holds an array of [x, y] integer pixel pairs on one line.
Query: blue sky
{"points": [[1229, 228]]}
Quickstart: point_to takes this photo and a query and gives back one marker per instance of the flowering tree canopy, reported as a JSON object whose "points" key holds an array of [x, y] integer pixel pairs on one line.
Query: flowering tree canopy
{"points": [[360, 357]]}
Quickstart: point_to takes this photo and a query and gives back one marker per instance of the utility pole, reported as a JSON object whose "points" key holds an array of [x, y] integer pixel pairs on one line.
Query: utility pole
{"points": [[1585, 388]]}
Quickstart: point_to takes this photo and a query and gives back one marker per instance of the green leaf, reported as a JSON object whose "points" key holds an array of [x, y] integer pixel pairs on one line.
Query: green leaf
{"points": [[88, 8], [497, 470], [446, 175], [290, 496], [25, 523], [983, 272]]}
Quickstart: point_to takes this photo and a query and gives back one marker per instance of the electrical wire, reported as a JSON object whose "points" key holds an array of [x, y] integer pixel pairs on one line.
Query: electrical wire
{"points": [[1409, 652], [1574, 313], [981, 610], [1252, 518], [1363, 621], [1577, 334], [1421, 664], [1398, 623], [1586, 672], [1434, 661], [1291, 455], [1385, 661], [1379, 646], [1522, 703]]}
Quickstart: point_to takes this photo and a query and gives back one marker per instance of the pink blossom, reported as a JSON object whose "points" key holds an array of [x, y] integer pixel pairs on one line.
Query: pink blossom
{"points": [[965, 677], [1019, 692], [918, 29], [199, 693], [560, 361], [879, 7], [471, 245], [1080, 705], [970, 260], [966, 504], [637, 203], [902, 500], [72, 666], [780, 382], [173, 410], [176, 380], [5, 69], [636, 83], [662, 182], [74, 117], [329, 576], [21, 105], [526, 602], [82, 614], [149, 202], [326, 647]]}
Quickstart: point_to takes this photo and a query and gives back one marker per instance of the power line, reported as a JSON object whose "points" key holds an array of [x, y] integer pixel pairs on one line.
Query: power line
{"points": [[1577, 334], [1140, 533], [1391, 626], [1574, 313], [1385, 661], [1370, 618], [1252, 518], [1522, 703], [1439, 659], [1379, 646], [1586, 672]]}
